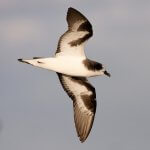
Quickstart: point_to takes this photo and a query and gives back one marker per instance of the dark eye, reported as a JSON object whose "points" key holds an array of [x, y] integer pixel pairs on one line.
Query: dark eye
{"points": [[98, 66]]}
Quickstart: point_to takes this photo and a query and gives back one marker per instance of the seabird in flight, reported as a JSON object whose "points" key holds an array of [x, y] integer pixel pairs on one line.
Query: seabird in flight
{"points": [[73, 67]]}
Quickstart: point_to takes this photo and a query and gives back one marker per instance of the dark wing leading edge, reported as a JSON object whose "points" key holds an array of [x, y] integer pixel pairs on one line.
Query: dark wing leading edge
{"points": [[84, 102], [79, 30]]}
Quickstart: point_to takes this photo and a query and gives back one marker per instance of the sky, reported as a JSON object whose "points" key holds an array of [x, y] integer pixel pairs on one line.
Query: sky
{"points": [[35, 112]]}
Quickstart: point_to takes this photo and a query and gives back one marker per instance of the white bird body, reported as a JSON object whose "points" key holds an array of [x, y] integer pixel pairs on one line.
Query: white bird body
{"points": [[72, 67]]}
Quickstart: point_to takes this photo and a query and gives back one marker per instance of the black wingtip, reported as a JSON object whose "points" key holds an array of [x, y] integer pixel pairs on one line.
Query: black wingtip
{"points": [[20, 60], [82, 140], [70, 8]]}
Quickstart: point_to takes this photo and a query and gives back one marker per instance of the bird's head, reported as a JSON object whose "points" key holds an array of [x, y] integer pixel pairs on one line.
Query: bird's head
{"points": [[102, 70], [97, 67]]}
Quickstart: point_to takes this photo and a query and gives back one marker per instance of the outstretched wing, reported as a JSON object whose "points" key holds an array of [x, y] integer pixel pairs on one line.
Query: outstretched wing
{"points": [[84, 102], [79, 31]]}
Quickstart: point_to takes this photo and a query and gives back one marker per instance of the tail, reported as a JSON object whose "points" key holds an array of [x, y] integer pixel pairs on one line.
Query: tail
{"points": [[45, 63], [34, 61], [23, 61]]}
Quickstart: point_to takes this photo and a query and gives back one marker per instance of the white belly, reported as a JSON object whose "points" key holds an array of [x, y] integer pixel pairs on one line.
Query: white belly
{"points": [[66, 65]]}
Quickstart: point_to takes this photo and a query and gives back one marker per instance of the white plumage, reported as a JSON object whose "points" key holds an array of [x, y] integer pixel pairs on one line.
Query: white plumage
{"points": [[72, 67]]}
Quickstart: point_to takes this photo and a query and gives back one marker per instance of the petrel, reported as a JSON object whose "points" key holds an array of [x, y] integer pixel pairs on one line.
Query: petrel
{"points": [[73, 67]]}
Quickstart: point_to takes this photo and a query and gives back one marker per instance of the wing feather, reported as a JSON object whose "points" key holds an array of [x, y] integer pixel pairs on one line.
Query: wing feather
{"points": [[84, 102], [79, 31]]}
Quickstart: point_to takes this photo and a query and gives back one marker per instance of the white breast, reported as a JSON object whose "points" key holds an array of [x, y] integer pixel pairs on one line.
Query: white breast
{"points": [[68, 65]]}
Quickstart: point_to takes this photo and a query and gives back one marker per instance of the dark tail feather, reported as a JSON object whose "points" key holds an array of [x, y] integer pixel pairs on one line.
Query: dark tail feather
{"points": [[21, 60]]}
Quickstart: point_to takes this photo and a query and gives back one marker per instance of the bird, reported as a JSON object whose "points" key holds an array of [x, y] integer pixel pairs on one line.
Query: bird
{"points": [[73, 68]]}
